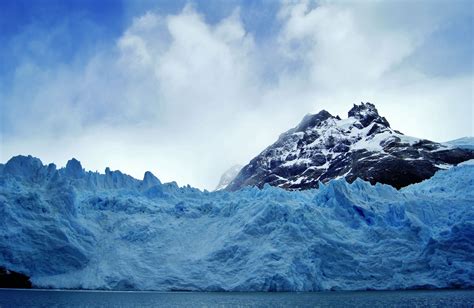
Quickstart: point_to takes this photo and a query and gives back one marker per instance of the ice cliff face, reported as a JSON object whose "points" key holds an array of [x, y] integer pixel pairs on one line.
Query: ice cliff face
{"points": [[69, 228], [323, 147]]}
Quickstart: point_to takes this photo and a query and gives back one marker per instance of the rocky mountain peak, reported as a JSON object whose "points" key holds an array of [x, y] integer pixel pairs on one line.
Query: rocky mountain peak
{"points": [[323, 147], [366, 113], [312, 120]]}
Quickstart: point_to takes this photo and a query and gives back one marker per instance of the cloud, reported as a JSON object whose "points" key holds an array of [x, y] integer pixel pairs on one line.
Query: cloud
{"points": [[362, 51], [339, 49], [170, 93], [186, 98]]}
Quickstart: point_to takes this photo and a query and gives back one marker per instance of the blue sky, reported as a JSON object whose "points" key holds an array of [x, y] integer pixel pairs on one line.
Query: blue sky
{"points": [[74, 29], [188, 88]]}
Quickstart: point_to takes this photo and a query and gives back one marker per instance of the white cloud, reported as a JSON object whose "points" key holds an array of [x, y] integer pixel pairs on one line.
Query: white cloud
{"points": [[186, 99]]}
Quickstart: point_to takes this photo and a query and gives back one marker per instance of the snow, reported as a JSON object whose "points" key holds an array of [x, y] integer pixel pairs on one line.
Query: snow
{"points": [[228, 176], [463, 143], [297, 161], [323, 147], [371, 144], [408, 139], [467, 162], [347, 131], [88, 230], [374, 143]]}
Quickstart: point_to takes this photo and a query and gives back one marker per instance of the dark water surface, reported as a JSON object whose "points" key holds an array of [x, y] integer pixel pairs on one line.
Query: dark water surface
{"points": [[51, 298]]}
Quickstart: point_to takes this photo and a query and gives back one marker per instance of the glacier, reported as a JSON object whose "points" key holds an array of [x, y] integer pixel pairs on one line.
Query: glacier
{"points": [[71, 228], [462, 143]]}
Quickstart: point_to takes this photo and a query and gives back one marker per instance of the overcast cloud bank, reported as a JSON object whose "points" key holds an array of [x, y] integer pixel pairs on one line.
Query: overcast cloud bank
{"points": [[186, 98]]}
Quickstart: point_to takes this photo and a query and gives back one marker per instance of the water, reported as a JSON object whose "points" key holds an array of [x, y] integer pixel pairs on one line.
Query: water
{"points": [[50, 298]]}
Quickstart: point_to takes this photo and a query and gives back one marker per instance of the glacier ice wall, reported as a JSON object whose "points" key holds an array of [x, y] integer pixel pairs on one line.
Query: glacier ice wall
{"points": [[67, 228]]}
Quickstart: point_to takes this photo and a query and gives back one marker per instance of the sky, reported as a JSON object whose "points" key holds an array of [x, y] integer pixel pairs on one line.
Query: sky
{"points": [[187, 89]]}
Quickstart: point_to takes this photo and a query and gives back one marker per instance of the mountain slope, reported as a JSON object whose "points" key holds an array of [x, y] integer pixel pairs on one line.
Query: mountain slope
{"points": [[69, 228], [323, 147], [228, 176], [462, 143]]}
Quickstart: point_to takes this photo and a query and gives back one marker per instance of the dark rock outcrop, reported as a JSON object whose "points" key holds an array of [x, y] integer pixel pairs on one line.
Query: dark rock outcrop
{"points": [[11, 279]]}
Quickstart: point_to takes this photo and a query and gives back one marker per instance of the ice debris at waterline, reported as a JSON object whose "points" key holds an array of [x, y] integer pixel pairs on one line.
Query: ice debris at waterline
{"points": [[69, 228]]}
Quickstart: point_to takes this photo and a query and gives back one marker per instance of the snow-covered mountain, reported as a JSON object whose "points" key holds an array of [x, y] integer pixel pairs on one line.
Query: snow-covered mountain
{"points": [[462, 143], [325, 147], [228, 176], [68, 228]]}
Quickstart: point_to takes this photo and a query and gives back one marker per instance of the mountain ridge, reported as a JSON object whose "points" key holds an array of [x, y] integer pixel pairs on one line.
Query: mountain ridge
{"points": [[323, 147]]}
